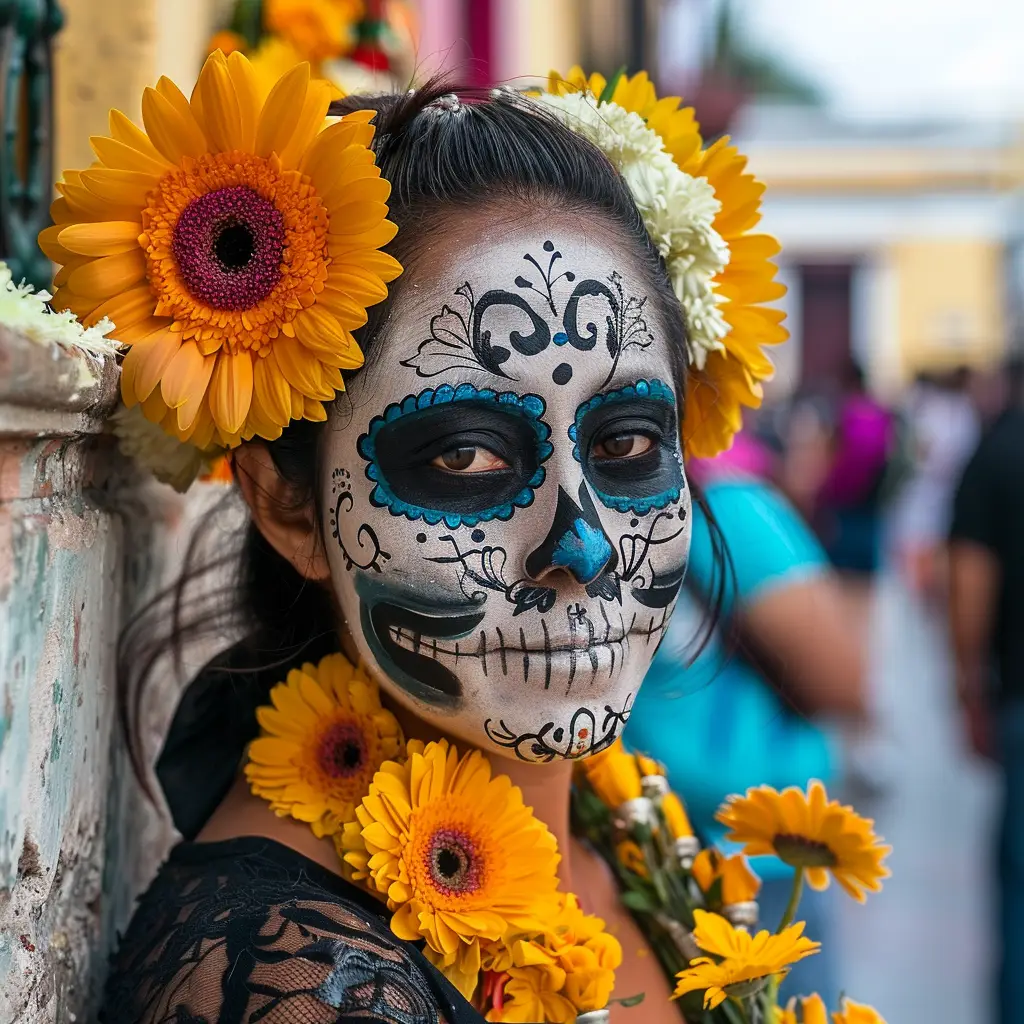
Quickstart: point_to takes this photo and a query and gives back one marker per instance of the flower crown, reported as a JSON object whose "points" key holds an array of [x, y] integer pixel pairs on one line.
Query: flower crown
{"points": [[700, 208], [236, 244]]}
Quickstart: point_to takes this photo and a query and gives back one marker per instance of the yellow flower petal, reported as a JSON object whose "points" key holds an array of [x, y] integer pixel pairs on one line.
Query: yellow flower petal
{"points": [[106, 238], [105, 277], [170, 123], [221, 122], [231, 390]]}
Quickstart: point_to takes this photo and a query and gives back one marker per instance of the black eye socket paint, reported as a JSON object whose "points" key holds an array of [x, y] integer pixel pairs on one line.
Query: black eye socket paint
{"points": [[407, 449], [638, 483]]}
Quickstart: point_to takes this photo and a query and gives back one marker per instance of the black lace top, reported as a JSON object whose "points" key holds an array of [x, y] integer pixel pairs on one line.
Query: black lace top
{"points": [[248, 930]]}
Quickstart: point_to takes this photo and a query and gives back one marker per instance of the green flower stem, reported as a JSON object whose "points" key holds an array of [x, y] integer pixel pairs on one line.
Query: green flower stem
{"points": [[794, 901]]}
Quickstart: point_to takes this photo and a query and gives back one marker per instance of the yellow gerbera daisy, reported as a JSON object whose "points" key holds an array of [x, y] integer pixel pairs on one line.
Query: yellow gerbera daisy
{"points": [[811, 1010], [459, 855], [810, 832], [323, 739], [730, 379], [739, 964], [614, 775], [235, 245], [737, 882]]}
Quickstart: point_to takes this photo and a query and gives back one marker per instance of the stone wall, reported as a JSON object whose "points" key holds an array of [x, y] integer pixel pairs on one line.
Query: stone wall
{"points": [[84, 540]]}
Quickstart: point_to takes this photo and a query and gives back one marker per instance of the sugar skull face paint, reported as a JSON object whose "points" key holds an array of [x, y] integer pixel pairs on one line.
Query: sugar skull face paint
{"points": [[508, 519]]}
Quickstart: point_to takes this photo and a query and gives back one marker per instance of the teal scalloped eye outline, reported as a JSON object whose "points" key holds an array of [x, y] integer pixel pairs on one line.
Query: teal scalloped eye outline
{"points": [[659, 391], [529, 407]]}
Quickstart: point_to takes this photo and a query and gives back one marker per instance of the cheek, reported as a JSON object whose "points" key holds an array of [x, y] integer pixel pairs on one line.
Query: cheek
{"points": [[356, 538]]}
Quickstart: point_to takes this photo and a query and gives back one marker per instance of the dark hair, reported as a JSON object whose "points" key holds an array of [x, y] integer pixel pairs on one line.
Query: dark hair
{"points": [[487, 150]]}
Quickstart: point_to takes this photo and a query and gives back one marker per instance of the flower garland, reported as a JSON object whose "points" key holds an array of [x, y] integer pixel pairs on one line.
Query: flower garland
{"points": [[25, 311], [467, 869]]}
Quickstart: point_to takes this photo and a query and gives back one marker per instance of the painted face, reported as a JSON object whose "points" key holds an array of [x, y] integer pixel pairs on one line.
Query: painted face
{"points": [[508, 518]]}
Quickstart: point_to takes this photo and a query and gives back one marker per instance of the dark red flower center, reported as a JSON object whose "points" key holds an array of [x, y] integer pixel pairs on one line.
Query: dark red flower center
{"points": [[342, 752], [229, 245], [454, 869]]}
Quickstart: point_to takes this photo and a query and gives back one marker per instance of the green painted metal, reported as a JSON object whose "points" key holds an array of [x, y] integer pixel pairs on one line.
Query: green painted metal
{"points": [[27, 28]]}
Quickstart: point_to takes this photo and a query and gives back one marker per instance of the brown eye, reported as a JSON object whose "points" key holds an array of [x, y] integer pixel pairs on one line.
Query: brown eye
{"points": [[469, 460], [622, 446]]}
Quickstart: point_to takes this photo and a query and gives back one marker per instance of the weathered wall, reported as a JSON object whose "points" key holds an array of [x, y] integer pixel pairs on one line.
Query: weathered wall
{"points": [[82, 542]]}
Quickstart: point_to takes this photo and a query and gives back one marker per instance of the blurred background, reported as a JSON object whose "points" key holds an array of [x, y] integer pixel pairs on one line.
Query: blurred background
{"points": [[889, 133]]}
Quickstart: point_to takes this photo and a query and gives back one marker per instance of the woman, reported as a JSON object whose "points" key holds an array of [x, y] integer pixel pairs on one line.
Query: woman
{"points": [[493, 518]]}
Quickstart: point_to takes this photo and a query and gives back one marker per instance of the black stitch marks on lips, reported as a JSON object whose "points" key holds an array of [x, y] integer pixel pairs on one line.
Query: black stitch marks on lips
{"points": [[551, 742], [370, 555]]}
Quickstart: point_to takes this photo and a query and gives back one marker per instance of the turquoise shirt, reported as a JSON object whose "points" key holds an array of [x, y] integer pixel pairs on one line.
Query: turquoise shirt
{"points": [[717, 725]]}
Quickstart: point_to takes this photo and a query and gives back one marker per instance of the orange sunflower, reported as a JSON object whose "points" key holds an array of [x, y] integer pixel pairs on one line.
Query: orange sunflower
{"points": [[323, 739], [459, 855], [235, 243], [739, 963], [811, 833], [732, 378]]}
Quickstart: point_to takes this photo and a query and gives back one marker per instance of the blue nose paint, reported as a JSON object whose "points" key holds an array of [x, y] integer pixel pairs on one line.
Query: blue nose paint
{"points": [[560, 338], [583, 550]]}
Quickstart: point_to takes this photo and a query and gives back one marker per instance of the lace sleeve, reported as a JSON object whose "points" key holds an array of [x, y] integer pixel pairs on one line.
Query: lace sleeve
{"points": [[215, 947]]}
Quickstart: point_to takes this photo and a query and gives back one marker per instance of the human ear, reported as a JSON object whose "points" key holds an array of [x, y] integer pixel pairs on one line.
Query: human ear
{"points": [[287, 520]]}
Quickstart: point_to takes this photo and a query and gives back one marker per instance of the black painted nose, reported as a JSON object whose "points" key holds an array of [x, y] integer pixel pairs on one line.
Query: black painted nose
{"points": [[576, 541]]}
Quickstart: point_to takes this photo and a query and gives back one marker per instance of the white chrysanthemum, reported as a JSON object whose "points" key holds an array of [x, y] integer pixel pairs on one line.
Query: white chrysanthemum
{"points": [[171, 461], [25, 311], [678, 209]]}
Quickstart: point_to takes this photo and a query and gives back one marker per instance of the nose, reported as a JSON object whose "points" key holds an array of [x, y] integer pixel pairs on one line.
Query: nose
{"points": [[576, 542]]}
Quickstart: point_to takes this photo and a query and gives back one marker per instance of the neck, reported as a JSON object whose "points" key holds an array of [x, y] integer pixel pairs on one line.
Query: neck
{"points": [[545, 787]]}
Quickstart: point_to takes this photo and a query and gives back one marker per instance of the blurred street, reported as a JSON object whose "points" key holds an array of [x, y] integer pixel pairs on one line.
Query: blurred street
{"points": [[922, 948]]}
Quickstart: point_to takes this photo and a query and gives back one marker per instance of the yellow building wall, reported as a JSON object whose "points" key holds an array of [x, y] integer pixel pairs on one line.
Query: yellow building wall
{"points": [[110, 50], [951, 302]]}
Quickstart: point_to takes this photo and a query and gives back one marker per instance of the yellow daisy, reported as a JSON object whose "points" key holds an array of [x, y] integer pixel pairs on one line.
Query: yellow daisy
{"points": [[739, 964], [323, 739], [738, 884], [235, 245], [807, 1010], [613, 774], [810, 832], [731, 379], [459, 856], [811, 1010]]}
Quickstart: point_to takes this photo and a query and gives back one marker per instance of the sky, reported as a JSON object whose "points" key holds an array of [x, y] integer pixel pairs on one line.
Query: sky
{"points": [[901, 58]]}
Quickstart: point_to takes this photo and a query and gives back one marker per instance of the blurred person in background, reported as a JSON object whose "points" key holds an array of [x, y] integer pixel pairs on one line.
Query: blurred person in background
{"points": [[849, 503], [943, 428], [723, 723], [986, 607]]}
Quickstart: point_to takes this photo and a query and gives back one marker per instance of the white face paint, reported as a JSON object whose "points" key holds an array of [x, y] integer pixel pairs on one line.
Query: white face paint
{"points": [[507, 516]]}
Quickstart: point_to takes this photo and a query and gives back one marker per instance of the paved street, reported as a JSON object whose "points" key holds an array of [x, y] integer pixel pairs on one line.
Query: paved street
{"points": [[919, 952]]}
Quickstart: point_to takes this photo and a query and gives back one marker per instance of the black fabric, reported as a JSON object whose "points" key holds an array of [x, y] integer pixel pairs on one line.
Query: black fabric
{"points": [[214, 722], [249, 930], [989, 510]]}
